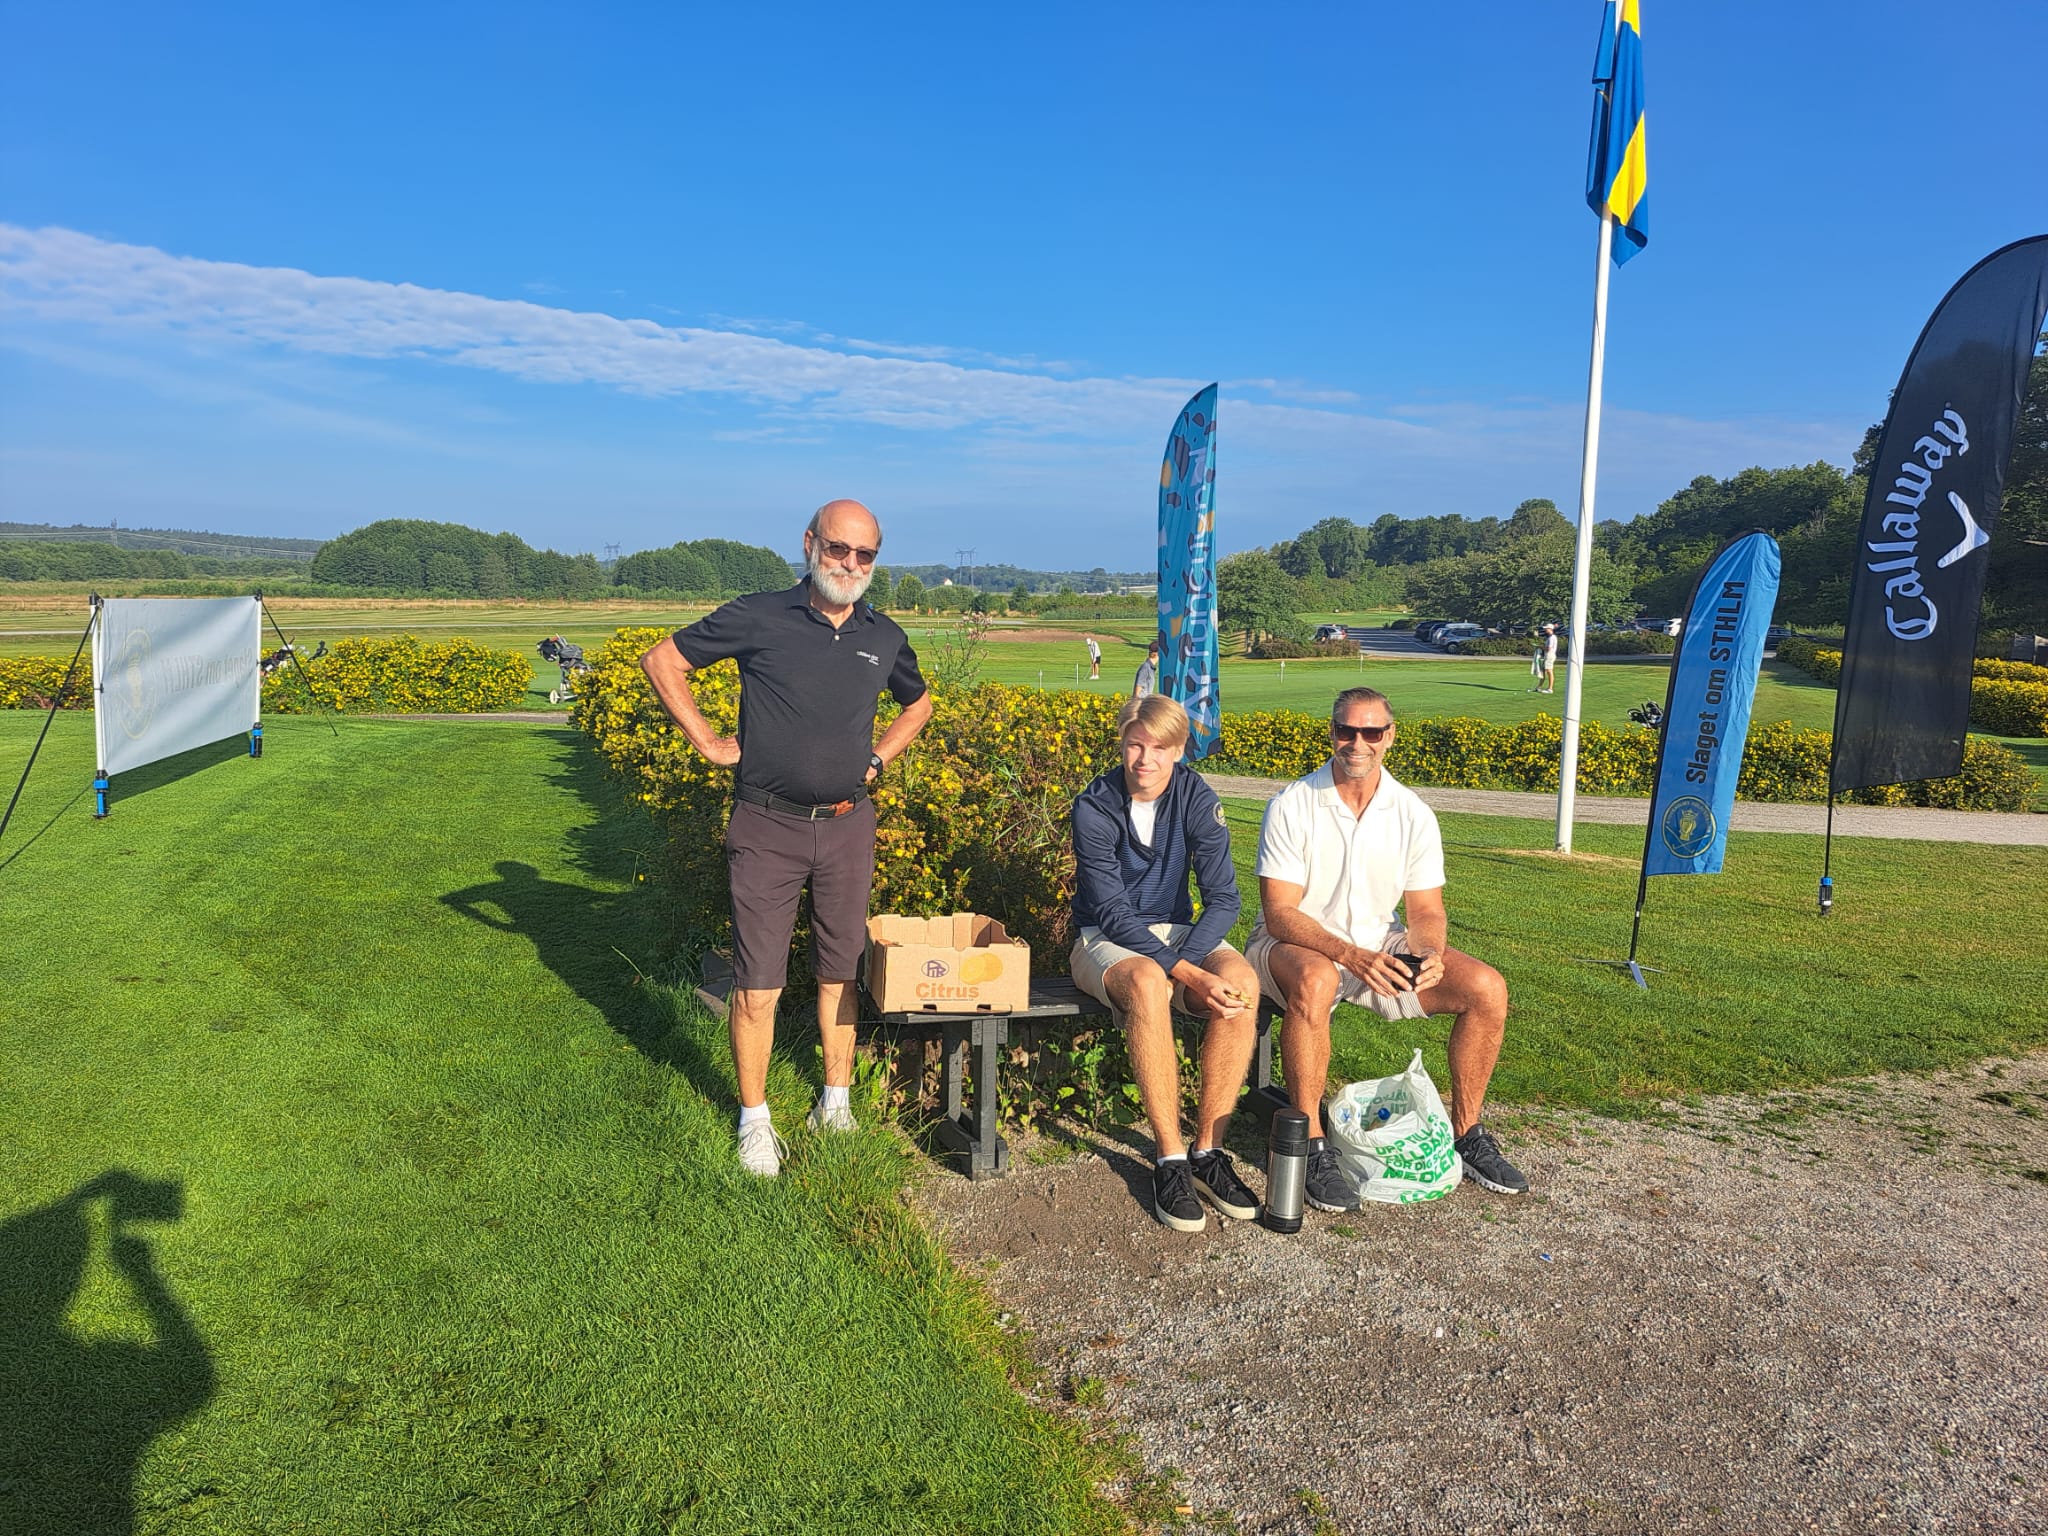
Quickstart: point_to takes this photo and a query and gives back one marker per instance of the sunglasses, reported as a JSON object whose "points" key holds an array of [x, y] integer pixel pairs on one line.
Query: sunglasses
{"points": [[834, 550], [1346, 734]]}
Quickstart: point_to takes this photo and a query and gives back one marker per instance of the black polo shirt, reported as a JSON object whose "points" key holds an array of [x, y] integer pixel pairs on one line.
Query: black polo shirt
{"points": [[807, 690]]}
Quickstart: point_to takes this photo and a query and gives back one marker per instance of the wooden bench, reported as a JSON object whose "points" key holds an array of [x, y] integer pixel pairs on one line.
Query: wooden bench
{"points": [[973, 1051]]}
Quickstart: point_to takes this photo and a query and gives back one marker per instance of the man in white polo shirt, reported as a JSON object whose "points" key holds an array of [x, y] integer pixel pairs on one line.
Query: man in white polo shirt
{"points": [[1338, 851]]}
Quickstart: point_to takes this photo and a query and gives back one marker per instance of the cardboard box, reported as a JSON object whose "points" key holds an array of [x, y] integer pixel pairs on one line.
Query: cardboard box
{"points": [[965, 963]]}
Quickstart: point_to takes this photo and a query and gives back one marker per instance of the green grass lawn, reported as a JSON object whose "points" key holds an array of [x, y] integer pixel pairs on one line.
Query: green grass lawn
{"points": [[449, 1233], [1931, 957]]}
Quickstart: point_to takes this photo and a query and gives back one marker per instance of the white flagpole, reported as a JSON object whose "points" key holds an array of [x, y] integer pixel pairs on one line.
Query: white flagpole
{"points": [[1589, 470]]}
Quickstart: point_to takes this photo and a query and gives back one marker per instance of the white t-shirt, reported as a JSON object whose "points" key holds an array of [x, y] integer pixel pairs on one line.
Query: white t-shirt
{"points": [[1550, 650], [1144, 816], [1094, 650], [1354, 869]]}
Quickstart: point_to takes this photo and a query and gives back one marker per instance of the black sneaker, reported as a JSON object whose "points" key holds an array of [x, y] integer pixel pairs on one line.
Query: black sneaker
{"points": [[1327, 1186], [1217, 1182], [1485, 1166], [1173, 1196]]}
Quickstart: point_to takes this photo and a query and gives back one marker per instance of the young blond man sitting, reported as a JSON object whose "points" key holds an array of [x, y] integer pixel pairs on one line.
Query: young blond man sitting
{"points": [[1139, 831]]}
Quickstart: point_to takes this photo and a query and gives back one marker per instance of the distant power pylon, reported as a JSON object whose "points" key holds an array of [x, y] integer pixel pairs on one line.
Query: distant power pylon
{"points": [[611, 551]]}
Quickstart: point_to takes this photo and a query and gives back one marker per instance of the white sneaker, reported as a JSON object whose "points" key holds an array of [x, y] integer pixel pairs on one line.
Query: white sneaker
{"points": [[761, 1150], [823, 1119]]}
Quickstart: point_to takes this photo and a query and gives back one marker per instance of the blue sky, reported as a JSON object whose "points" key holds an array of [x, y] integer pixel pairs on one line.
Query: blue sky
{"points": [[632, 274]]}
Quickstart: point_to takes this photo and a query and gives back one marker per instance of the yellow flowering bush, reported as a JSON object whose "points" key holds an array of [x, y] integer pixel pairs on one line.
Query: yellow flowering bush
{"points": [[31, 682], [2008, 697], [400, 674], [2012, 671], [973, 816], [2010, 708], [1779, 762]]}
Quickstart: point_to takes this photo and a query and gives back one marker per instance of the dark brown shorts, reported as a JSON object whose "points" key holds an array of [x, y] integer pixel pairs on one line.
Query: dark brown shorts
{"points": [[771, 856]]}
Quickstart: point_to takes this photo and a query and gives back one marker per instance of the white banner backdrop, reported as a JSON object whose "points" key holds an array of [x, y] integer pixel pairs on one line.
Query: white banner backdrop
{"points": [[173, 673]]}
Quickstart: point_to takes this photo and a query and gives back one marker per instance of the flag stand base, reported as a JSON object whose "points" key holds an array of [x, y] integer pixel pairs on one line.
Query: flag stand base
{"points": [[1634, 969]]}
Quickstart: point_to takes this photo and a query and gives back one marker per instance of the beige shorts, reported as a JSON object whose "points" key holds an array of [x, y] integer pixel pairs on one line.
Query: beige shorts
{"points": [[1402, 1005], [1094, 956]]}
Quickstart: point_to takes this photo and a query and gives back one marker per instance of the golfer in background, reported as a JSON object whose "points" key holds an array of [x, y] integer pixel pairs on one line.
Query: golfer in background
{"points": [[1147, 680], [1094, 656], [813, 660]]}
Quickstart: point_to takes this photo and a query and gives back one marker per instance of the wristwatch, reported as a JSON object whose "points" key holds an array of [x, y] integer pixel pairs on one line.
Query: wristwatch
{"points": [[875, 762]]}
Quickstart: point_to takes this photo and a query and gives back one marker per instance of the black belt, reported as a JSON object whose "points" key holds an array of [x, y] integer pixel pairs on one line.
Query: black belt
{"points": [[797, 808]]}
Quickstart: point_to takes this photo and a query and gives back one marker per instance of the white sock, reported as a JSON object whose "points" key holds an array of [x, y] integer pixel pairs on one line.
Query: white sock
{"points": [[1201, 1151], [1173, 1157], [834, 1098], [749, 1113]]}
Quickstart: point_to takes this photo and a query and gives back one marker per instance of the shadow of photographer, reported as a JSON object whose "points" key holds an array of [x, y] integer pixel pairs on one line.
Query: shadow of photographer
{"points": [[77, 1415]]}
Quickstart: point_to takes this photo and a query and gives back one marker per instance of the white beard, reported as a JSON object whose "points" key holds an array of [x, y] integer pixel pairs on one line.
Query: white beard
{"points": [[836, 585]]}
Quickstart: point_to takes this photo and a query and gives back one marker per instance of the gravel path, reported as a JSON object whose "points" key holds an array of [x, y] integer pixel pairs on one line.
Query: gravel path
{"points": [[2011, 827], [1816, 1312]]}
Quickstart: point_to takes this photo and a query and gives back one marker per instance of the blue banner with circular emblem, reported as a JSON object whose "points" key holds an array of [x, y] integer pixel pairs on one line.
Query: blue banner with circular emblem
{"points": [[1706, 717]]}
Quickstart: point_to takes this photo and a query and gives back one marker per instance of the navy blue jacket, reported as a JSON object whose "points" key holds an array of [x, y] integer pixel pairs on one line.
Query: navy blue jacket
{"points": [[1124, 887]]}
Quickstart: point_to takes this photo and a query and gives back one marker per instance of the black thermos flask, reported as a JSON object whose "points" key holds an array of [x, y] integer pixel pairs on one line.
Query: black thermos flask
{"points": [[1286, 1169]]}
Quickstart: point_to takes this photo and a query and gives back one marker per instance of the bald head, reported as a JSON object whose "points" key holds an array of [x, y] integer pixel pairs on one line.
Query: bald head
{"points": [[847, 521], [840, 546]]}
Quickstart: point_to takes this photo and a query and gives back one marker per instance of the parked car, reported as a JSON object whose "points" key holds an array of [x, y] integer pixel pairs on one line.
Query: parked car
{"points": [[1426, 628], [1450, 634], [1778, 632], [1660, 626], [1332, 632]]}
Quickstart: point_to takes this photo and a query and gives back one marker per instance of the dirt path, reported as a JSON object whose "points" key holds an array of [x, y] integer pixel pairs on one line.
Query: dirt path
{"points": [[1815, 1312]]}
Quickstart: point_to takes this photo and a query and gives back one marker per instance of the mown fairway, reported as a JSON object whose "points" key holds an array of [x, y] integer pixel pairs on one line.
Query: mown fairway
{"points": [[447, 1196]]}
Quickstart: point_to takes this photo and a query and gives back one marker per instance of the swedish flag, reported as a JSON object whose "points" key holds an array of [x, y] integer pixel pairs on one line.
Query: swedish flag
{"points": [[1617, 174]]}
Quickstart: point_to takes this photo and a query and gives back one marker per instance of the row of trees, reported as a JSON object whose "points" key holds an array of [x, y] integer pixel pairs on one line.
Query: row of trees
{"points": [[1518, 569], [703, 567], [409, 555], [64, 560]]}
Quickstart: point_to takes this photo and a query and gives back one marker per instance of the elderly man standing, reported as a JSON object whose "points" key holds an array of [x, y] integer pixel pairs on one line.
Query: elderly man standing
{"points": [[1139, 831], [812, 660], [1338, 850]]}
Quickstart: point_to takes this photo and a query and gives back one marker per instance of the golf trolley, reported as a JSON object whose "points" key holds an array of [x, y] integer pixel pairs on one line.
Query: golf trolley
{"points": [[1651, 714], [570, 659], [284, 653]]}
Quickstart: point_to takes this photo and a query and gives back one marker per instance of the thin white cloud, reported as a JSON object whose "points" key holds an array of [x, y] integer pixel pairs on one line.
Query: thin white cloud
{"points": [[796, 375], [61, 275]]}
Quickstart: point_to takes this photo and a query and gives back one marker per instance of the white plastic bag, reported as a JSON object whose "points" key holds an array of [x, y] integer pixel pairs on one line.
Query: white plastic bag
{"points": [[1393, 1138]]}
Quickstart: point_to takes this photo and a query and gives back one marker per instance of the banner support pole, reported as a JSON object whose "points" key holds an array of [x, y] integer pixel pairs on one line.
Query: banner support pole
{"points": [[1589, 472], [1827, 852], [292, 652], [57, 703]]}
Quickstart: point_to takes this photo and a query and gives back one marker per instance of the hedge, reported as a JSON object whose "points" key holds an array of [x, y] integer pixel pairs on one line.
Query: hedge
{"points": [[31, 682], [1779, 763], [399, 674], [1629, 642], [2007, 697], [1281, 648], [973, 817]]}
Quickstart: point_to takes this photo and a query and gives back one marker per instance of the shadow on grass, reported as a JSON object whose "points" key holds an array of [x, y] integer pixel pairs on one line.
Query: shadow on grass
{"points": [[588, 935], [17, 849], [137, 782], [77, 1415]]}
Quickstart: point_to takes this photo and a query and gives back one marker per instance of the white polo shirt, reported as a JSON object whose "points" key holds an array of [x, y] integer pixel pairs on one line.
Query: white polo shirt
{"points": [[1354, 869]]}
